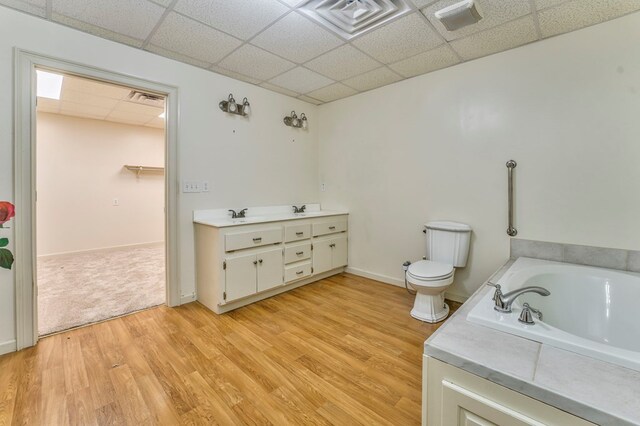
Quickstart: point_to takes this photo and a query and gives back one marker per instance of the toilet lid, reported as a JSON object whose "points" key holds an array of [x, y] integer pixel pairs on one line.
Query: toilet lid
{"points": [[426, 269]]}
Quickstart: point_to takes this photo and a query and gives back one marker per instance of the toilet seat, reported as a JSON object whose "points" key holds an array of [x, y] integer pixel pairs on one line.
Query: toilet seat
{"points": [[424, 272]]}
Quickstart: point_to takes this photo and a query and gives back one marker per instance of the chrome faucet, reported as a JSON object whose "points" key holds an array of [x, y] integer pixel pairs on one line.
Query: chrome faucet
{"points": [[237, 215], [299, 209], [503, 302]]}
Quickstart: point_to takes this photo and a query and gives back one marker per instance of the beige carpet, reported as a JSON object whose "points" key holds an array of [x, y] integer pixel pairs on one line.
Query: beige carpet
{"points": [[78, 289]]}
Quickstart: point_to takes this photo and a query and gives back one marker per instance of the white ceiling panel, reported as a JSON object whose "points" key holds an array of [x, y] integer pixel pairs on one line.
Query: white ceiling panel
{"points": [[82, 110], [262, 41], [400, 39], [256, 63], [33, 7], [301, 80], [493, 12], [333, 92], [127, 118], [504, 37], [578, 14], [296, 38], [48, 105], [111, 91], [310, 100], [372, 79], [434, 59], [343, 62], [279, 89], [242, 19], [88, 98], [133, 18], [191, 38]]}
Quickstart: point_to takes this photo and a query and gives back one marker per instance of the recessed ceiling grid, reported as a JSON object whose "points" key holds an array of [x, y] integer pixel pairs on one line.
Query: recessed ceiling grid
{"points": [[322, 55]]}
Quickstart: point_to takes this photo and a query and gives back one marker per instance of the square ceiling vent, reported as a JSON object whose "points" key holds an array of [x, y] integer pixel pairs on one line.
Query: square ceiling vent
{"points": [[351, 18]]}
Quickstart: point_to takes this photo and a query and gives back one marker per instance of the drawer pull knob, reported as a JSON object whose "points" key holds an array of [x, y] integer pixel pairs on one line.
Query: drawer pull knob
{"points": [[299, 253], [257, 240], [299, 234], [255, 262], [260, 261], [332, 245], [332, 227], [299, 272]]}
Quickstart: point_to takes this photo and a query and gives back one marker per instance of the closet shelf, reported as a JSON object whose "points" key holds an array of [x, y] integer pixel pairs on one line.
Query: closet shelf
{"points": [[144, 169]]}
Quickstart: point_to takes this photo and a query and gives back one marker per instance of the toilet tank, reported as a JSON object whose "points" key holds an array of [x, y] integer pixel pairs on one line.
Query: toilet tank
{"points": [[448, 242]]}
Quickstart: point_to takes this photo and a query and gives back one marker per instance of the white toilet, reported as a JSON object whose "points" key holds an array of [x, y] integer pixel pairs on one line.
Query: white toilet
{"points": [[447, 249]]}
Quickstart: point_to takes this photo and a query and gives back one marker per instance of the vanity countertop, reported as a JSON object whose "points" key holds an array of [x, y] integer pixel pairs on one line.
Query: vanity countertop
{"points": [[220, 218], [597, 391]]}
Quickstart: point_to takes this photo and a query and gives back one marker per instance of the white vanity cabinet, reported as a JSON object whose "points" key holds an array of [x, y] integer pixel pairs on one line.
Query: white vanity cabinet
{"points": [[240, 264]]}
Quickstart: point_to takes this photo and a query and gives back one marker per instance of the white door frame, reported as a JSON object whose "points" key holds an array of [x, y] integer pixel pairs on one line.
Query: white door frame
{"points": [[24, 184]]}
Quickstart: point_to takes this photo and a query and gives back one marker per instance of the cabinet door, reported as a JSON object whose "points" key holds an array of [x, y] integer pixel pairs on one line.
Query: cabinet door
{"points": [[270, 269], [240, 277], [339, 251], [322, 256]]}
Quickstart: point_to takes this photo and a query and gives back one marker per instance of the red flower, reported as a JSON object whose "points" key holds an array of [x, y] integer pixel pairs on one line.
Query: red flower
{"points": [[7, 211]]}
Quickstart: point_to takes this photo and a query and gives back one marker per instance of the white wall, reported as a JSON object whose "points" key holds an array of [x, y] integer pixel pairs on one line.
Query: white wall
{"points": [[248, 162], [80, 172], [566, 109]]}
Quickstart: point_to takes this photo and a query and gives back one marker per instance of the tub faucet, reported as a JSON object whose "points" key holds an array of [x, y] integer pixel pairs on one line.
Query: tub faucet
{"points": [[503, 302]]}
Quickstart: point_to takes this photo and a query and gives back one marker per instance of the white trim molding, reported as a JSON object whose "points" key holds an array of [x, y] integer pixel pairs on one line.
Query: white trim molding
{"points": [[25, 64], [8, 346]]}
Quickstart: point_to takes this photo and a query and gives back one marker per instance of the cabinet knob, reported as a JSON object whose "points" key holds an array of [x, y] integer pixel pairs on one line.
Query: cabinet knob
{"points": [[299, 272], [257, 240], [332, 245], [299, 234], [255, 262], [299, 253], [260, 260], [332, 227]]}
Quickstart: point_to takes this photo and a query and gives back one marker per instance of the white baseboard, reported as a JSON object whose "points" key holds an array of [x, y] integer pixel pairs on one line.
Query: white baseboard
{"points": [[8, 346], [398, 283], [188, 298], [113, 248], [378, 277]]}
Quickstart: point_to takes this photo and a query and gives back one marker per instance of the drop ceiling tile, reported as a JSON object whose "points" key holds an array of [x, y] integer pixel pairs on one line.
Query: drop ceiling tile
{"points": [[372, 79], [138, 109], [132, 18], [177, 56], [193, 39], [578, 14], [157, 123], [164, 3], [34, 7], [493, 12], [422, 3], [333, 92], [127, 118], [296, 38], [81, 109], [301, 80], [434, 59], [400, 39], [343, 62], [279, 89], [291, 3], [255, 62], [310, 100], [48, 105], [111, 91], [233, 74], [504, 37], [88, 99], [543, 4], [95, 30], [242, 19]]}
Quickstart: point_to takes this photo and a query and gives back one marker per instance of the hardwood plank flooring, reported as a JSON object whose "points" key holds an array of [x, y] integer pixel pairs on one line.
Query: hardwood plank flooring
{"points": [[341, 351]]}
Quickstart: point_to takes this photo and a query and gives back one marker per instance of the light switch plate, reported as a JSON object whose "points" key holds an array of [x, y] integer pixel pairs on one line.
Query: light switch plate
{"points": [[191, 186]]}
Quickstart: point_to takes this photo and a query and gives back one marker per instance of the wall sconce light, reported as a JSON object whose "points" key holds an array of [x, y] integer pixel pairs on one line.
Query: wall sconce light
{"points": [[293, 120], [232, 107]]}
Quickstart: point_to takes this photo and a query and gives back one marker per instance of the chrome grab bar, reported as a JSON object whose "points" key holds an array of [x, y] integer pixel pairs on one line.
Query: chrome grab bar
{"points": [[511, 164]]}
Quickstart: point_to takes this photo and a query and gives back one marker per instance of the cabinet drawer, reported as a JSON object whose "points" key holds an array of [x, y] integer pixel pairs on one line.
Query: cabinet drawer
{"points": [[295, 272], [243, 240], [329, 227], [297, 232], [297, 252]]}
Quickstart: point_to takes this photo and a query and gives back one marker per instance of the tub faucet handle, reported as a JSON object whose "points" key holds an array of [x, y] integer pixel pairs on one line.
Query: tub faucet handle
{"points": [[498, 293], [526, 316]]}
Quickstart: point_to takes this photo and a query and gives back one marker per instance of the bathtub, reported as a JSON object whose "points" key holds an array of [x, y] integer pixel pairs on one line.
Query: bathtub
{"points": [[591, 311]]}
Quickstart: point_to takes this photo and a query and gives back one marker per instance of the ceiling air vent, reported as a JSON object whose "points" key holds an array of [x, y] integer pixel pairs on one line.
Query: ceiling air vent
{"points": [[145, 98], [351, 18]]}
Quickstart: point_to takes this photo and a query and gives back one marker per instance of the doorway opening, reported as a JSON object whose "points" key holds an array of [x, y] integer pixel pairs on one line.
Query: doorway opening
{"points": [[100, 157]]}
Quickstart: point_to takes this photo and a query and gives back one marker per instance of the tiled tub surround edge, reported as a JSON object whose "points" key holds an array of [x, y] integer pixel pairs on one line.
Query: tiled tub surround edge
{"points": [[601, 257], [517, 364]]}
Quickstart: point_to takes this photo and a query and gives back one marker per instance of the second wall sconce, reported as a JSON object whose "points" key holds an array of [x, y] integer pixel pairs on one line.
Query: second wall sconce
{"points": [[232, 107], [293, 120]]}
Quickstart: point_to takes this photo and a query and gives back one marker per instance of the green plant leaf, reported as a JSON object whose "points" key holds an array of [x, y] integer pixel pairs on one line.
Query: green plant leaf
{"points": [[4, 242], [6, 259]]}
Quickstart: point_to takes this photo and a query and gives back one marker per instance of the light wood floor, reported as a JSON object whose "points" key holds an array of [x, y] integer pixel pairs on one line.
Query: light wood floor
{"points": [[340, 351]]}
